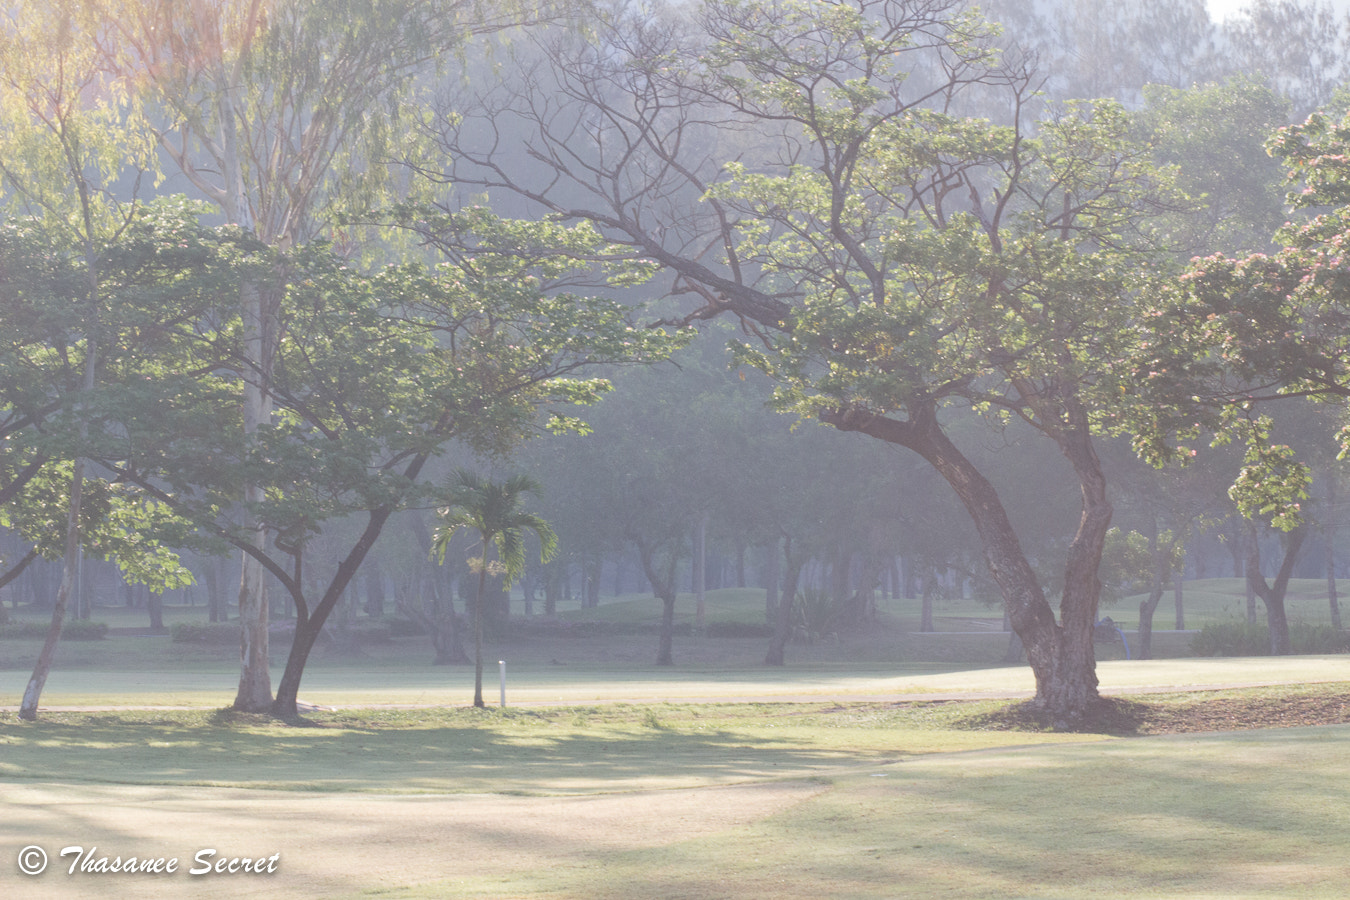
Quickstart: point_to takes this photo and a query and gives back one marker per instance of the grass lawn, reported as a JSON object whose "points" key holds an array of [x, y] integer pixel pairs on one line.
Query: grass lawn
{"points": [[862, 770], [810, 799]]}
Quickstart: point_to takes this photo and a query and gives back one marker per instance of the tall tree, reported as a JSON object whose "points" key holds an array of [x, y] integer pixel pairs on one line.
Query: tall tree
{"points": [[376, 374], [67, 140], [280, 112], [493, 510], [895, 257]]}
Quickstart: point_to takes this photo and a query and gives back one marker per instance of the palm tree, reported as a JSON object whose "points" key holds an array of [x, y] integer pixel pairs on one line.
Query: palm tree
{"points": [[493, 510]]}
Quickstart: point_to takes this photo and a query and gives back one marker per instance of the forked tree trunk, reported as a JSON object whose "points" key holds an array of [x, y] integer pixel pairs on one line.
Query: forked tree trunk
{"points": [[1272, 595], [662, 580], [309, 623], [1061, 654]]}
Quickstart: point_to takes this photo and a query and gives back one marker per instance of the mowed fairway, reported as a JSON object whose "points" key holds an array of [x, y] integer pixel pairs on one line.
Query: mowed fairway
{"points": [[804, 797]]}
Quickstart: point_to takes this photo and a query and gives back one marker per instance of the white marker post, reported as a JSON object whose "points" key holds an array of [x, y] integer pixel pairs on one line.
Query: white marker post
{"points": [[502, 663]]}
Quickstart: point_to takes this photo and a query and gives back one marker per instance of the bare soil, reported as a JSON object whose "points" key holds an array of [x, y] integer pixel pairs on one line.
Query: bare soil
{"points": [[1188, 714]]}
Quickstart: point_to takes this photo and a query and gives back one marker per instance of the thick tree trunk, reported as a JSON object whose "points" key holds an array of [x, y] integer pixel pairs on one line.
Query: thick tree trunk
{"points": [[255, 682], [1061, 655], [154, 605]]}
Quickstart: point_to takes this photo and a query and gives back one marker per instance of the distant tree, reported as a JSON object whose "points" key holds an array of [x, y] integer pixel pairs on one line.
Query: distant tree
{"points": [[1299, 47], [493, 510]]}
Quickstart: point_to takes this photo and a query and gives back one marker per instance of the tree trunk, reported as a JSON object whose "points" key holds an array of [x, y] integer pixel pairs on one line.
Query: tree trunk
{"points": [[28, 709], [700, 573], [1329, 539], [663, 586], [926, 604], [1161, 557], [782, 626], [1273, 595], [771, 594], [552, 579], [308, 624], [1061, 655], [375, 592], [154, 605], [255, 681], [478, 632], [1177, 598]]}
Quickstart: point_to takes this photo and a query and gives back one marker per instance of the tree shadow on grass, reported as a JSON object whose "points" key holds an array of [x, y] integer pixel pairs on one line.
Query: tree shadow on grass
{"points": [[524, 755]]}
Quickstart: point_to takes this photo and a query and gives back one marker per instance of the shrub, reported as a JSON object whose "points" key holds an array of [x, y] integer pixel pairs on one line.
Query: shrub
{"points": [[359, 633], [71, 630], [1245, 639], [739, 630], [400, 627], [220, 633], [83, 630]]}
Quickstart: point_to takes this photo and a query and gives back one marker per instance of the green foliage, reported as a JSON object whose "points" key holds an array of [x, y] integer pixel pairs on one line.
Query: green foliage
{"points": [[492, 509], [815, 614], [1240, 331]]}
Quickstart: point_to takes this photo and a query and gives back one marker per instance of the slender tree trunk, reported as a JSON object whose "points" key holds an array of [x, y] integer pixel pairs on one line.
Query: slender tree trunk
{"points": [[1155, 592], [663, 586], [1178, 599], [1329, 539], [478, 632], [28, 709], [782, 628], [552, 578], [926, 604], [771, 594], [309, 623], [1251, 569], [700, 573]]}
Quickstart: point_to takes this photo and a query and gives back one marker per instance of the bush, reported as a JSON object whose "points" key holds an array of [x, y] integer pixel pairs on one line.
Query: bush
{"points": [[739, 630], [1245, 639], [371, 632], [71, 630], [399, 627], [215, 633]]}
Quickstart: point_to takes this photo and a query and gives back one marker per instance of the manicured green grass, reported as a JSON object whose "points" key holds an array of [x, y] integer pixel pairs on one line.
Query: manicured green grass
{"points": [[679, 800]]}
